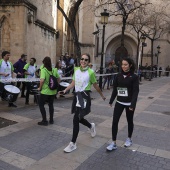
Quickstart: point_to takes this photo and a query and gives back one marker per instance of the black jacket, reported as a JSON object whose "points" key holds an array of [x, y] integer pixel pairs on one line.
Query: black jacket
{"points": [[130, 82], [81, 96]]}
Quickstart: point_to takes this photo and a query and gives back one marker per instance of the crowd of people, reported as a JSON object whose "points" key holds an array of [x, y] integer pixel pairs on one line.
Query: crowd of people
{"points": [[148, 72], [24, 69]]}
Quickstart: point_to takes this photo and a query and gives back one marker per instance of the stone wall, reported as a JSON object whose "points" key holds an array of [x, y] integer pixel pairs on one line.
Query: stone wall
{"points": [[12, 32], [36, 37]]}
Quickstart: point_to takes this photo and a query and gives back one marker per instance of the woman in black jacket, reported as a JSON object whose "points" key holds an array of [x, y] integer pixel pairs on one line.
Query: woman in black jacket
{"points": [[126, 89]]}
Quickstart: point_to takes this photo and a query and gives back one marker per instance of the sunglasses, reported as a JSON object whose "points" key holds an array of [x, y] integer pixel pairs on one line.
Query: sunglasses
{"points": [[84, 59]]}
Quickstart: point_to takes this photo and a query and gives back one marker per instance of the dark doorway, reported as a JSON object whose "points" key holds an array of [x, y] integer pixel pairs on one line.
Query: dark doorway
{"points": [[120, 53]]}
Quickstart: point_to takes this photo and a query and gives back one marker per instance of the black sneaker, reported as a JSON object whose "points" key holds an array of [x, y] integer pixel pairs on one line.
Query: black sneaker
{"points": [[23, 96], [51, 121], [43, 123], [12, 105]]}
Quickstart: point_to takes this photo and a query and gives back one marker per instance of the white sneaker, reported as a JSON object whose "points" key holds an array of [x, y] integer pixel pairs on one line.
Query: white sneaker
{"points": [[112, 146], [128, 142], [71, 147], [93, 130]]}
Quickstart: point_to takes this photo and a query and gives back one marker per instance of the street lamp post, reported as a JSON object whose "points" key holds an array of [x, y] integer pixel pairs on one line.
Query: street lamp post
{"points": [[158, 52], [158, 49], [104, 21], [143, 38]]}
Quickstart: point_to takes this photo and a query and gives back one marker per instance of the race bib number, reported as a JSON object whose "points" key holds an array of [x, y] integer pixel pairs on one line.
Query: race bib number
{"points": [[122, 92]]}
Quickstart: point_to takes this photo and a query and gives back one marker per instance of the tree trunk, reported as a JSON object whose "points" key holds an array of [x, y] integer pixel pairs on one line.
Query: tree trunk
{"points": [[138, 46], [75, 41], [123, 32], [152, 41]]}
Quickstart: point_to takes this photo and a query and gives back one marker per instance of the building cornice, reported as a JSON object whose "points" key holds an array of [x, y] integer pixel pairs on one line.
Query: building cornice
{"points": [[31, 7], [45, 26], [18, 3], [86, 45]]}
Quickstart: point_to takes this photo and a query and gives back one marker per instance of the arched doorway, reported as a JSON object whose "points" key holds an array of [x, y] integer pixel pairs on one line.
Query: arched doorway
{"points": [[115, 52], [121, 52]]}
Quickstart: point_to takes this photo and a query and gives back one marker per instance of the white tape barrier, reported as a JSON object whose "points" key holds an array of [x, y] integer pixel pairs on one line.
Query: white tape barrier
{"points": [[38, 79], [144, 71], [63, 78]]}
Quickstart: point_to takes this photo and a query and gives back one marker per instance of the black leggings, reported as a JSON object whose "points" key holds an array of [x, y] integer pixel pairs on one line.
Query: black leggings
{"points": [[76, 122], [42, 100], [116, 116]]}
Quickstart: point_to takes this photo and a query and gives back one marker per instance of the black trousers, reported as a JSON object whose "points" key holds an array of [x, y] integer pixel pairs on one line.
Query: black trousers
{"points": [[28, 84], [76, 122], [118, 110], [23, 87], [42, 100]]}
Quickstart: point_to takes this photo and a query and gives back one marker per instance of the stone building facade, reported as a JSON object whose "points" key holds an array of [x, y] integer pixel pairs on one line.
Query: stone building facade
{"points": [[87, 25], [38, 29], [29, 27]]}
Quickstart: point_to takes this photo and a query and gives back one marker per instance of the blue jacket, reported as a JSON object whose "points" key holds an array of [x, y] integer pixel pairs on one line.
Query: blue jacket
{"points": [[18, 66]]}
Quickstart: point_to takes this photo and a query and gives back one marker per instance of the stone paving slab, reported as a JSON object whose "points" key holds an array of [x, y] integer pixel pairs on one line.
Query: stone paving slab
{"points": [[161, 102], [82, 153], [160, 109], [6, 166], [26, 145], [17, 160], [149, 137], [34, 142], [152, 119], [54, 162], [122, 159]]}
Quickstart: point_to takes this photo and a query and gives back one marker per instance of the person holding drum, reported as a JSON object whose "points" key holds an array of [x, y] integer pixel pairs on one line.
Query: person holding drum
{"points": [[46, 94], [19, 70], [6, 73], [30, 72], [83, 78]]}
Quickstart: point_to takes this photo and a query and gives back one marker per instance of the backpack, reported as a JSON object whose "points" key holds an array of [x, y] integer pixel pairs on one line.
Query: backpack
{"points": [[53, 83]]}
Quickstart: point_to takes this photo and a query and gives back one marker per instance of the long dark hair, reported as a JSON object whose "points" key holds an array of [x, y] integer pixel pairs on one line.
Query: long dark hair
{"points": [[131, 63], [47, 63]]}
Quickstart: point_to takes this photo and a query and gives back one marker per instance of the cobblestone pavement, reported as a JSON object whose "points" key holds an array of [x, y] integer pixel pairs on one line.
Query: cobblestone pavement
{"points": [[25, 145]]}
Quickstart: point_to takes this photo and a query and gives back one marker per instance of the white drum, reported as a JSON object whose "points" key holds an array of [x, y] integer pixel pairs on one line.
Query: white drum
{"points": [[64, 84], [10, 93]]}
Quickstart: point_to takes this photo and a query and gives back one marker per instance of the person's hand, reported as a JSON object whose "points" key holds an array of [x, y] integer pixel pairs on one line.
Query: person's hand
{"points": [[39, 89], [62, 92], [130, 108], [104, 98], [6, 75], [110, 105], [19, 73]]}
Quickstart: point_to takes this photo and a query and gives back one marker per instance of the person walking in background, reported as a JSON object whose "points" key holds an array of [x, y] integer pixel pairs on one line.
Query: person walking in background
{"points": [[115, 70], [167, 70], [109, 70], [19, 70], [59, 69], [90, 66], [83, 78], [46, 94], [126, 89], [60, 72], [160, 71], [29, 71], [139, 72]]}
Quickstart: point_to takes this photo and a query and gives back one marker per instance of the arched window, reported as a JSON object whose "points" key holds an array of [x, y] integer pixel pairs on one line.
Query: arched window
{"points": [[1, 23]]}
